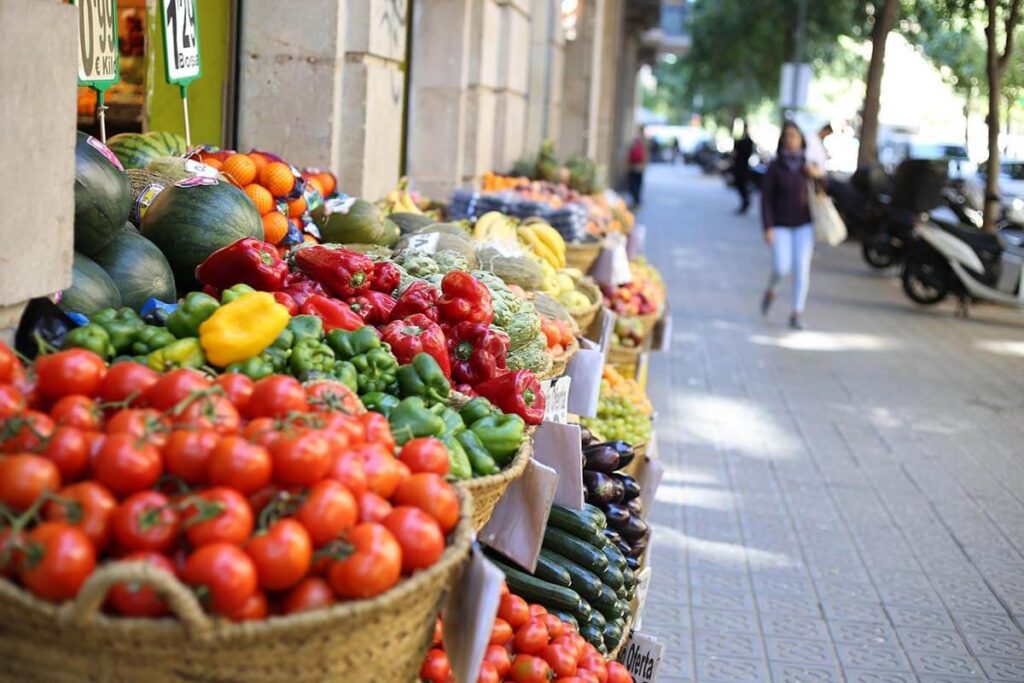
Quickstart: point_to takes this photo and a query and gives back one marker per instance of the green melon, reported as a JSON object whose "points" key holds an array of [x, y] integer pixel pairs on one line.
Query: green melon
{"points": [[102, 195], [135, 150], [174, 143], [91, 288], [138, 268], [190, 220], [355, 221]]}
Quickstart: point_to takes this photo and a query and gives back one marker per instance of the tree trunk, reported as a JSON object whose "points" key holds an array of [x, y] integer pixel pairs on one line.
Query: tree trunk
{"points": [[968, 97], [994, 74], [868, 151]]}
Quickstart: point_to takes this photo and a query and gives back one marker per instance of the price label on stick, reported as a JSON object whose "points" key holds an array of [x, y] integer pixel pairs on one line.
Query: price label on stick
{"points": [[98, 56], [556, 398], [585, 370], [642, 656], [181, 49]]}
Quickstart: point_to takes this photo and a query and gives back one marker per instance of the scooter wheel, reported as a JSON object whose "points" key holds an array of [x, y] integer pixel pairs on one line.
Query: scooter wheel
{"points": [[924, 283], [879, 253]]}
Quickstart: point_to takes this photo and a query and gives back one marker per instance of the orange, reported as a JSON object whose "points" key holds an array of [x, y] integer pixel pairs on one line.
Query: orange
{"points": [[309, 238], [259, 160], [215, 162], [261, 197], [326, 181], [296, 207], [315, 183], [277, 177], [275, 227], [241, 168]]}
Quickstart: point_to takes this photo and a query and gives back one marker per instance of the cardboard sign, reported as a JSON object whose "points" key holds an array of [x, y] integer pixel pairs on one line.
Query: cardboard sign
{"points": [[99, 59], [600, 330], [560, 447], [469, 615], [516, 528], [643, 586], [636, 243], [642, 656], [556, 398], [612, 265], [181, 41], [585, 369]]}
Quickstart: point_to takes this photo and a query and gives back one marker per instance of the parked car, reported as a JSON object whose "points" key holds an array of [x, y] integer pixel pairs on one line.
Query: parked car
{"points": [[893, 152]]}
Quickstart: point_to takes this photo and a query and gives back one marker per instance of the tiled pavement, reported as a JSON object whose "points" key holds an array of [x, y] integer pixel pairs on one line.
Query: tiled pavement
{"points": [[844, 503]]}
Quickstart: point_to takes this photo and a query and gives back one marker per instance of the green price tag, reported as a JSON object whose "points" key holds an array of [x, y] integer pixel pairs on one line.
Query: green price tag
{"points": [[181, 41], [99, 61]]}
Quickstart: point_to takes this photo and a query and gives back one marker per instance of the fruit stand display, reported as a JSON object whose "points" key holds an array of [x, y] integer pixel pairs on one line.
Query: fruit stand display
{"points": [[262, 400]]}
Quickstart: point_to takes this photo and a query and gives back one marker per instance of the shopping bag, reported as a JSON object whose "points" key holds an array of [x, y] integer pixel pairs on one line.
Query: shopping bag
{"points": [[828, 224]]}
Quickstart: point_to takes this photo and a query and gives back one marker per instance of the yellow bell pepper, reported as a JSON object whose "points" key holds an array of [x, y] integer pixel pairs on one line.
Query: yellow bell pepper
{"points": [[242, 329]]}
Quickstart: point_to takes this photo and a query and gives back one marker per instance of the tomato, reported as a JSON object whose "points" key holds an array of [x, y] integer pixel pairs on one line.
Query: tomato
{"points": [[173, 388], [593, 661], [328, 510], [282, 554], [418, 534], [499, 658], [58, 559], [349, 428], [302, 459], [8, 362], [586, 676], [24, 477], [68, 449], [374, 566], [142, 423], [618, 673], [12, 401], [135, 600], [262, 497], [556, 627], [311, 593], [11, 555], [218, 514], [529, 669], [225, 571], [573, 641], [373, 508], [25, 432], [74, 371], [348, 469], [237, 387], [276, 396], [79, 411], [126, 381], [537, 610], [255, 608], [86, 505], [432, 494], [488, 674], [210, 412], [241, 465], [377, 430], [382, 475], [514, 610], [124, 464], [501, 632], [425, 454], [332, 396], [264, 431], [187, 453], [562, 660], [145, 521], [436, 668], [533, 636]]}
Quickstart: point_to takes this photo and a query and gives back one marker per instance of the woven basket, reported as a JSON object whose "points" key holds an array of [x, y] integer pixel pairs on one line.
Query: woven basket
{"points": [[614, 654], [582, 255], [593, 292], [633, 468], [624, 356], [381, 639], [559, 364], [647, 322], [486, 491]]}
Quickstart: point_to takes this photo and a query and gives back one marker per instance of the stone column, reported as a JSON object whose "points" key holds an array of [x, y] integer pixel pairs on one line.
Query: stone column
{"points": [[489, 45], [604, 105], [513, 83], [580, 82]]}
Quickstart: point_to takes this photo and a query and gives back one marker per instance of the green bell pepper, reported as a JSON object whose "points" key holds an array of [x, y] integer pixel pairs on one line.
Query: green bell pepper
{"points": [[423, 377], [477, 409], [480, 459], [380, 402], [453, 423], [92, 337], [411, 418], [349, 344], [190, 314], [285, 341], [501, 435], [278, 358], [184, 353], [345, 372], [123, 325], [458, 460], [235, 291], [150, 338], [377, 369], [310, 357], [306, 327], [255, 368]]}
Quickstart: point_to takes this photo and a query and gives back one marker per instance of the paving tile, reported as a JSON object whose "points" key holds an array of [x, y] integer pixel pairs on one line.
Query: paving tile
{"points": [[784, 672], [923, 640], [797, 605], [809, 652], [720, 599], [1003, 669], [862, 676], [944, 664], [667, 613], [731, 670], [853, 611], [863, 633], [879, 657], [917, 617], [997, 624], [726, 644], [785, 626]]}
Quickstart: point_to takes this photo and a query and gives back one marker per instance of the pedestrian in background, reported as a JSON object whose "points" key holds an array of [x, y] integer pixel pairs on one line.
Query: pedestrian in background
{"points": [[637, 163], [741, 151], [786, 217], [816, 152]]}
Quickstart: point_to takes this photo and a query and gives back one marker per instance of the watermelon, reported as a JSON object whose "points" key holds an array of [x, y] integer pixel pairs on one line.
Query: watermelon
{"points": [[91, 288], [102, 195], [138, 268], [174, 143], [135, 150], [193, 218]]}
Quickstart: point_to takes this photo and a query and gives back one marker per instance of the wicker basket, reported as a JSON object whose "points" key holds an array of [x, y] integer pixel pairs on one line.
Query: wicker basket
{"points": [[593, 292], [582, 255], [624, 356], [486, 491], [559, 364], [633, 468], [647, 322], [381, 639], [614, 654]]}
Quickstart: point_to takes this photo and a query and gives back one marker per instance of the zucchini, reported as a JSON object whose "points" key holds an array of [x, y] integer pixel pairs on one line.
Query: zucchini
{"points": [[566, 617], [596, 513], [578, 551], [612, 634], [628, 578], [532, 589], [615, 557], [593, 635], [612, 577], [584, 581], [549, 569], [607, 603], [597, 618], [584, 613], [582, 525]]}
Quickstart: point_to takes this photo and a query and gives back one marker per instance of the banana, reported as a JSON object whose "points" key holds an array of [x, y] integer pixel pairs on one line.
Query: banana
{"points": [[552, 239], [406, 204], [534, 242], [486, 225]]}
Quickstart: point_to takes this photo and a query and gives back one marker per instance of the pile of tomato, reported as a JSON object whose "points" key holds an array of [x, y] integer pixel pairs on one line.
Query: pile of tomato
{"points": [[267, 497], [529, 645]]}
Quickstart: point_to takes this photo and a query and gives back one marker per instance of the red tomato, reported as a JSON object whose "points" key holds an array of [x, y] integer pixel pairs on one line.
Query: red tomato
{"points": [[499, 658], [125, 381], [532, 637], [586, 676], [255, 608], [210, 412], [264, 431], [556, 627], [24, 477], [26, 432], [87, 506], [537, 610], [124, 464], [187, 453], [68, 449], [377, 430], [618, 673], [432, 494], [349, 428], [436, 668], [142, 423], [8, 362], [311, 593], [134, 600], [373, 567], [74, 371], [329, 396], [11, 555], [62, 558], [593, 661], [373, 508], [529, 669], [276, 396], [425, 454], [573, 641], [329, 509], [418, 534], [173, 388], [237, 387], [302, 459], [347, 468], [501, 632], [514, 610], [145, 521], [241, 465], [226, 572], [12, 401], [382, 475], [562, 660], [77, 411], [282, 554], [217, 515], [488, 674]]}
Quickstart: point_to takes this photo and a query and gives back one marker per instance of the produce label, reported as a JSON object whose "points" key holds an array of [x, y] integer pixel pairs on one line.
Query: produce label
{"points": [[198, 168], [196, 181], [612, 266], [105, 151], [181, 40], [556, 398], [142, 202], [99, 60], [469, 615], [516, 528], [585, 391], [339, 205], [636, 243], [642, 656], [559, 446], [427, 242]]}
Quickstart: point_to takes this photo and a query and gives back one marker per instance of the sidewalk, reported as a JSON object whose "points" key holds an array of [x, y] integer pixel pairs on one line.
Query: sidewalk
{"points": [[844, 503]]}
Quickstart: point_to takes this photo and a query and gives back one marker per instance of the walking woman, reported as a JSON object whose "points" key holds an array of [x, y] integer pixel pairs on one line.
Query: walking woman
{"points": [[786, 217]]}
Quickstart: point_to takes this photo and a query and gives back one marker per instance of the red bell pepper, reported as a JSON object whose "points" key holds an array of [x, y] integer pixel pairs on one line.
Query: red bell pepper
{"points": [[344, 273], [334, 314], [419, 297], [477, 352], [373, 307], [287, 301], [515, 392], [463, 297], [299, 287], [417, 334], [386, 277], [246, 261]]}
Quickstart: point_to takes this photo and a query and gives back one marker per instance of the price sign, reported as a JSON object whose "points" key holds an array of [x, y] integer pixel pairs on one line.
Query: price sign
{"points": [[469, 615], [98, 57], [181, 41], [516, 528], [559, 447], [642, 656], [556, 398]]}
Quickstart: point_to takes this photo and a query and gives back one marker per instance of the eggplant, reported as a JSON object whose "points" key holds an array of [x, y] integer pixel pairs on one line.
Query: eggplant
{"points": [[612, 535], [631, 485], [633, 563], [636, 507], [599, 487], [624, 548], [632, 530], [625, 451], [616, 514], [618, 491], [601, 458]]}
